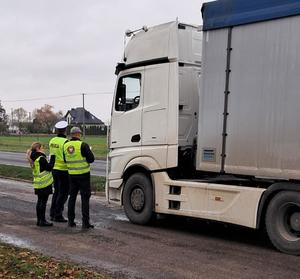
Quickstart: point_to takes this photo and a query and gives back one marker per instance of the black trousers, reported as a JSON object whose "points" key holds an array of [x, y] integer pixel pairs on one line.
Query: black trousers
{"points": [[41, 206], [82, 184], [61, 191]]}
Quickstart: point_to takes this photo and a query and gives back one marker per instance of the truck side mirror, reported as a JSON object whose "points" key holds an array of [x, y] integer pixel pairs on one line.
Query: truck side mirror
{"points": [[123, 93], [121, 97]]}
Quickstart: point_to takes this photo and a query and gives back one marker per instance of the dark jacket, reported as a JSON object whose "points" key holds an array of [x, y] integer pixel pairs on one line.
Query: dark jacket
{"points": [[44, 166], [86, 153], [52, 158]]}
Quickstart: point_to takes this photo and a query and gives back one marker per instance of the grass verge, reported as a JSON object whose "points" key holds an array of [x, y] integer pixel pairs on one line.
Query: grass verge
{"points": [[23, 142], [23, 263], [97, 182], [16, 172]]}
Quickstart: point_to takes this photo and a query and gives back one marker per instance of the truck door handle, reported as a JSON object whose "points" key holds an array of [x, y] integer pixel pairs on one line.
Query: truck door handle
{"points": [[136, 138]]}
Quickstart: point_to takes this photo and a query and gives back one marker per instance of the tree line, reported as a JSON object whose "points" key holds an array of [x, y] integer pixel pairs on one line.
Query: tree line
{"points": [[41, 120]]}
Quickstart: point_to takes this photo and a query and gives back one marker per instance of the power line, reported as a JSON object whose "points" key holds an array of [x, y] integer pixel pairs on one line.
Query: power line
{"points": [[55, 97], [37, 99], [99, 93]]}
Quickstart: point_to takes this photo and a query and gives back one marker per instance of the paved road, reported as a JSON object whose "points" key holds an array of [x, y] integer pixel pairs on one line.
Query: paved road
{"points": [[18, 159], [170, 248]]}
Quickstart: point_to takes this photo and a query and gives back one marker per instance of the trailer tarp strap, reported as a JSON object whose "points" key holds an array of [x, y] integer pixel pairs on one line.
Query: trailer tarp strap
{"points": [[226, 97]]}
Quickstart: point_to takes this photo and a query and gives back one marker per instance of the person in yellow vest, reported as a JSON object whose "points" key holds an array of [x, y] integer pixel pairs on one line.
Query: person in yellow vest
{"points": [[42, 180], [59, 172], [78, 157]]}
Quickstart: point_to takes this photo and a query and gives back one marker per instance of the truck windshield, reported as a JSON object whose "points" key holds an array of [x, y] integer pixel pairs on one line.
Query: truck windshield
{"points": [[128, 92]]}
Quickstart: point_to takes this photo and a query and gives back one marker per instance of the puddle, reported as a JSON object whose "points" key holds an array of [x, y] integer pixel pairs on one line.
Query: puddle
{"points": [[119, 217], [14, 241]]}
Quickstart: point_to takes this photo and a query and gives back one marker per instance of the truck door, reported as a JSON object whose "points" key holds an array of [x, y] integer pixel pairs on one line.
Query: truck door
{"points": [[160, 114], [126, 124]]}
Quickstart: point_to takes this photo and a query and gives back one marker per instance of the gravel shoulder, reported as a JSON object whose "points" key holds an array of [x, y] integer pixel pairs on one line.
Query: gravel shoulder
{"points": [[171, 248]]}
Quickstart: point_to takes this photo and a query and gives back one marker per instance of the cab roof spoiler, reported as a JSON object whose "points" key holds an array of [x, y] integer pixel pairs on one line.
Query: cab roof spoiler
{"points": [[122, 66]]}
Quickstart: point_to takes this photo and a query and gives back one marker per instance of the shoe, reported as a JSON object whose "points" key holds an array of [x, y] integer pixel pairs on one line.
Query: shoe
{"points": [[60, 219], [87, 226], [71, 224], [45, 224]]}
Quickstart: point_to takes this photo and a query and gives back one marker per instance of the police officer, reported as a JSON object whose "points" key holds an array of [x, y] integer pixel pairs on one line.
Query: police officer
{"points": [[59, 172], [78, 157], [42, 180]]}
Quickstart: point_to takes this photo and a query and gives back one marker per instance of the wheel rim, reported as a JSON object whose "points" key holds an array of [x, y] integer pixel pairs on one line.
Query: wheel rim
{"points": [[295, 221], [137, 199], [289, 221]]}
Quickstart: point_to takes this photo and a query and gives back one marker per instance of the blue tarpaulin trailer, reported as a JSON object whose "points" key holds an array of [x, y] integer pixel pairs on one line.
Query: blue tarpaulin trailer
{"points": [[225, 13], [251, 53]]}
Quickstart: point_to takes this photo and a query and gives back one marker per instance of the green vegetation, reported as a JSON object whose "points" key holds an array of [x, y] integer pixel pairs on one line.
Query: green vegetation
{"points": [[16, 172], [22, 143], [97, 182], [23, 263]]}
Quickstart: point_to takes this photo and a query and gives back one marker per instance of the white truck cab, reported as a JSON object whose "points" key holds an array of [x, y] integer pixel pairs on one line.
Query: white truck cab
{"points": [[156, 101]]}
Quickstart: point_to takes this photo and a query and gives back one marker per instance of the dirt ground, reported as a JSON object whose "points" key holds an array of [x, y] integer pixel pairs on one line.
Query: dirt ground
{"points": [[171, 248]]}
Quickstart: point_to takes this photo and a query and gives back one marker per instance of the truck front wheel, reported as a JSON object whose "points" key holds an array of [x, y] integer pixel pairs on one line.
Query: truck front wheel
{"points": [[283, 222], [138, 199]]}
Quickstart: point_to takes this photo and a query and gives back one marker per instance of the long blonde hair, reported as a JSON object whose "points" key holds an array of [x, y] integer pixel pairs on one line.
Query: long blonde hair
{"points": [[34, 147]]}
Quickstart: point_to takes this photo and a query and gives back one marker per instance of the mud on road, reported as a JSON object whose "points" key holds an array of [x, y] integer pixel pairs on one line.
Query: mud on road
{"points": [[171, 248]]}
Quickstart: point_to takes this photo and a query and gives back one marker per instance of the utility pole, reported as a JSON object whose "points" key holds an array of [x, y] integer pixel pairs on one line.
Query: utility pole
{"points": [[83, 117], [12, 118]]}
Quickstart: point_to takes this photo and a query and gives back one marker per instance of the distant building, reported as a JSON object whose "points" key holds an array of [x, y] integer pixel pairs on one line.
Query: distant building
{"points": [[80, 116], [14, 129]]}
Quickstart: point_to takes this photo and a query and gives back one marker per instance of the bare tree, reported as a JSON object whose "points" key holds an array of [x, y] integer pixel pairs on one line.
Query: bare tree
{"points": [[45, 118], [20, 115], [3, 119]]}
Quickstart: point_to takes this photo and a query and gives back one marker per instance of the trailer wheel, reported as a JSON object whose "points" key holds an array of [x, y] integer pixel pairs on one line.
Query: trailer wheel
{"points": [[138, 199], [283, 222]]}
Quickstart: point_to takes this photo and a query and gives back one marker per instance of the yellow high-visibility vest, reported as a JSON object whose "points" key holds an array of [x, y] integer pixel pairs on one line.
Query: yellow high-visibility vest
{"points": [[56, 147], [40, 179], [76, 163]]}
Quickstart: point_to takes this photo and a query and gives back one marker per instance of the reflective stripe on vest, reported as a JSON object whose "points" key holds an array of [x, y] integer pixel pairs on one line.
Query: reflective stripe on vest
{"points": [[56, 147], [76, 163], [40, 179]]}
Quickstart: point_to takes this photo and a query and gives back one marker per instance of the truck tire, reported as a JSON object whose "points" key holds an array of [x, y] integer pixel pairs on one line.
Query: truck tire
{"points": [[138, 199], [283, 222]]}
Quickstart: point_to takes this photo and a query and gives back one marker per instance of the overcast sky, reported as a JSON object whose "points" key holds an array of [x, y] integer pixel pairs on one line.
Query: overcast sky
{"points": [[52, 48]]}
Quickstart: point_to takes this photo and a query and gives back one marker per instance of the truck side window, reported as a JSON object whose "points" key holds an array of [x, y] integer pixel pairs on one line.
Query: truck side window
{"points": [[128, 92]]}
